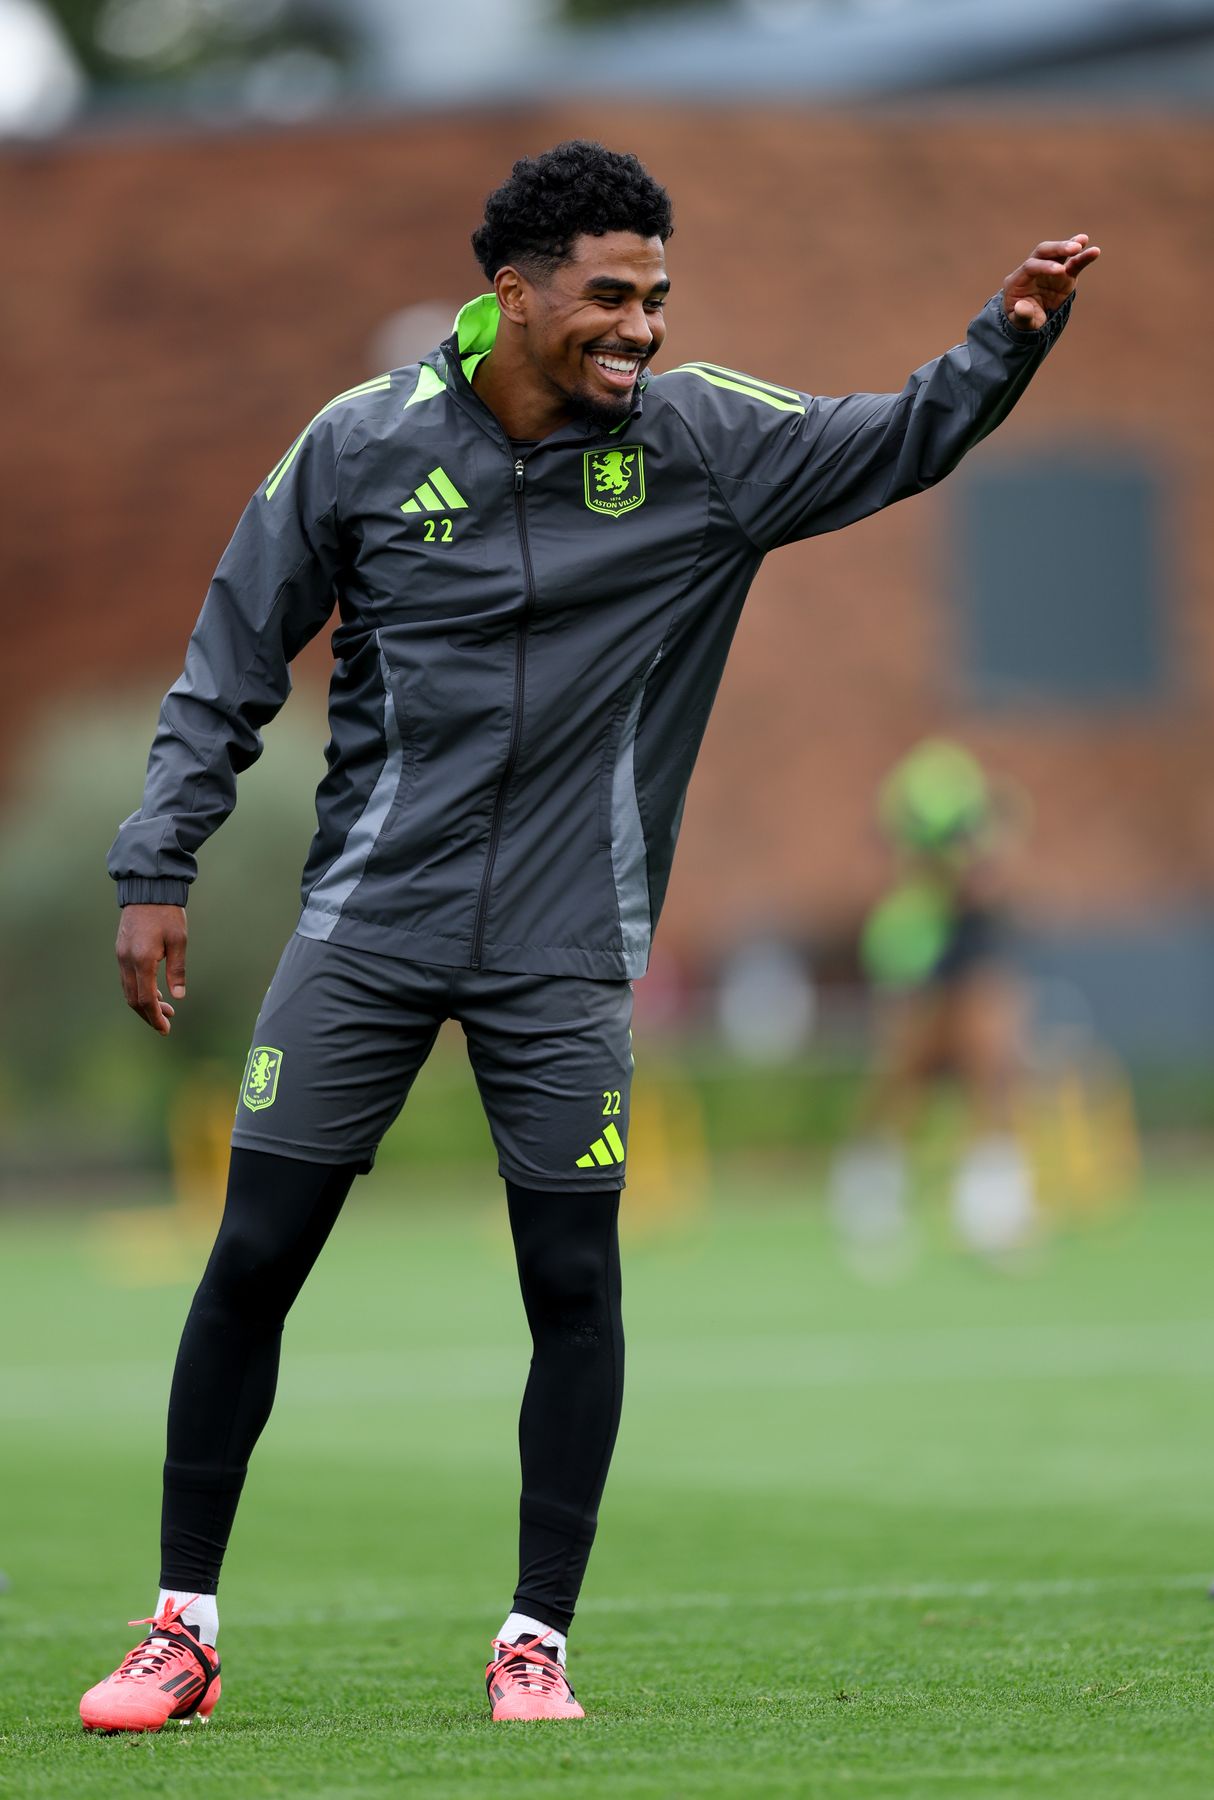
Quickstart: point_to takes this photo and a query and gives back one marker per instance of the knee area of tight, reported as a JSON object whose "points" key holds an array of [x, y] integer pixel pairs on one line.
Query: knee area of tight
{"points": [[246, 1274], [567, 1286]]}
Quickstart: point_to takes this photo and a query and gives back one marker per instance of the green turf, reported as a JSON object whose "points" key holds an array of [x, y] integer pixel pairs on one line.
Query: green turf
{"points": [[941, 1539]]}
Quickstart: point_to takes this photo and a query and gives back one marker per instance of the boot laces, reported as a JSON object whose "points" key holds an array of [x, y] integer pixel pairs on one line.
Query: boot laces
{"points": [[151, 1656], [527, 1662]]}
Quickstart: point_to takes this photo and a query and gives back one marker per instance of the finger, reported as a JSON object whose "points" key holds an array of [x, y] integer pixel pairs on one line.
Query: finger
{"points": [[1058, 249], [1029, 315], [1084, 260], [147, 998], [1044, 270], [1047, 282], [174, 968], [129, 986], [163, 1008]]}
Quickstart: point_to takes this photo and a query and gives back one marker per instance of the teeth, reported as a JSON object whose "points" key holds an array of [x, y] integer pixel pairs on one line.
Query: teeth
{"points": [[623, 365]]}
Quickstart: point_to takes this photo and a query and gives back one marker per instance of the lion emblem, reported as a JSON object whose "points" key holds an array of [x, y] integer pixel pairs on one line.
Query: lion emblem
{"points": [[613, 471], [261, 1077], [615, 479]]}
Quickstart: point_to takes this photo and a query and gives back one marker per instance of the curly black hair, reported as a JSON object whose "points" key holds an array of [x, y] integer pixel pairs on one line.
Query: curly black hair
{"points": [[579, 188]]}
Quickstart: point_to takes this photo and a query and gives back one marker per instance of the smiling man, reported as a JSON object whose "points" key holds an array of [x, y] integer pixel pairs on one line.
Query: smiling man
{"points": [[538, 554], [575, 333]]}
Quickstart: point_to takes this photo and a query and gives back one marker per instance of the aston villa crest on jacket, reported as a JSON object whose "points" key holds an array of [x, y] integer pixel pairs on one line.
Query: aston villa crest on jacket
{"points": [[615, 479]]}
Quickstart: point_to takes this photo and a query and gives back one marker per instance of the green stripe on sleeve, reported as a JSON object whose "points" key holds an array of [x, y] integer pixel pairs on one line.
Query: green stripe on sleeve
{"points": [[738, 387], [771, 387], [377, 385], [279, 470]]}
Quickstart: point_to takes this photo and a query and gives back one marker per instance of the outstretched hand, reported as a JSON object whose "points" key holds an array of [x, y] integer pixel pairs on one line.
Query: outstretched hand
{"points": [[147, 937], [1045, 279]]}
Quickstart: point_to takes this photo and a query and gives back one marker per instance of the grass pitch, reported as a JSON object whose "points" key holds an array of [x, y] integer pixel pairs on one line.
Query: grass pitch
{"points": [[948, 1538]]}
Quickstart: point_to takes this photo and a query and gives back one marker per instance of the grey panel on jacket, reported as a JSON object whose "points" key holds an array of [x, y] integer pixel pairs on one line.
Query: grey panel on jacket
{"points": [[324, 904], [629, 855]]}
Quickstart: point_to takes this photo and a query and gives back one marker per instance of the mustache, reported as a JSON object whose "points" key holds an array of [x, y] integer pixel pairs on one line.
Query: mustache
{"points": [[620, 350]]}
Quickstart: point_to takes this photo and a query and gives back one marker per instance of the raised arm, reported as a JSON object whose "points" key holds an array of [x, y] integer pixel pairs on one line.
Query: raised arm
{"points": [[792, 465]]}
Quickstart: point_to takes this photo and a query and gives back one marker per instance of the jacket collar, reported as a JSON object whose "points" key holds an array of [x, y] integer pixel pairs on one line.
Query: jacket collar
{"points": [[474, 334]]}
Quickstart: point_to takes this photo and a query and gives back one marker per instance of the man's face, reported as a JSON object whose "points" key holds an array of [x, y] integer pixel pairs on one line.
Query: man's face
{"points": [[596, 321]]}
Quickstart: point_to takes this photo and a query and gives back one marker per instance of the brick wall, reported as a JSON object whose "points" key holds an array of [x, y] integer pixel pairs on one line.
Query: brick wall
{"points": [[174, 309]]}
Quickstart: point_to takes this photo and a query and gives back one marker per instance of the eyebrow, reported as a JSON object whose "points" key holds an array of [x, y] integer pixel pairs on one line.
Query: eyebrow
{"points": [[615, 284]]}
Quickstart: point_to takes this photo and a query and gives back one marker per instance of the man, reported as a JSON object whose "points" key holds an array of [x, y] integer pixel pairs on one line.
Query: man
{"points": [[538, 556], [936, 950]]}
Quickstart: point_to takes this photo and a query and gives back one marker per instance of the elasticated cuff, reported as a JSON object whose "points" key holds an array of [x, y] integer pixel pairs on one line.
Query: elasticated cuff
{"points": [[152, 890], [1043, 334]]}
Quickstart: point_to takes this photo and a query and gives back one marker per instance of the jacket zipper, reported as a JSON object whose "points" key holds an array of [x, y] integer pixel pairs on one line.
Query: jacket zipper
{"points": [[516, 722]]}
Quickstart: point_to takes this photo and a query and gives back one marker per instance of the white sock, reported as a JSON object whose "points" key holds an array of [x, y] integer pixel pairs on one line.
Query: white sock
{"points": [[993, 1203], [867, 1191], [519, 1625], [202, 1611]]}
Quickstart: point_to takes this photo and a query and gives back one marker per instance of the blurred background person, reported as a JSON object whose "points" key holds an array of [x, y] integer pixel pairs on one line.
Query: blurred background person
{"points": [[935, 949]]}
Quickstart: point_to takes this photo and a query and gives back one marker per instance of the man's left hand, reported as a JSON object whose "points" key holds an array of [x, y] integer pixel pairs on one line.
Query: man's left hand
{"points": [[1045, 279]]}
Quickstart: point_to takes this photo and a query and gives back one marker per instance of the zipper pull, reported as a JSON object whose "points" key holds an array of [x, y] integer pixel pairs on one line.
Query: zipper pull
{"points": [[518, 476]]}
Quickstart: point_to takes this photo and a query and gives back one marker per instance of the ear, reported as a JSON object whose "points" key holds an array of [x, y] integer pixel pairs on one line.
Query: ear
{"points": [[514, 293]]}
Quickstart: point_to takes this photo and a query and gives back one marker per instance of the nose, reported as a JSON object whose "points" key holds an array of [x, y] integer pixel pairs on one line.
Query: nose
{"points": [[634, 327]]}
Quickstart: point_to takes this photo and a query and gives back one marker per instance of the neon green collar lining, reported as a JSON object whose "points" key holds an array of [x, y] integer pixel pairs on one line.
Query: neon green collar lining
{"points": [[476, 330]]}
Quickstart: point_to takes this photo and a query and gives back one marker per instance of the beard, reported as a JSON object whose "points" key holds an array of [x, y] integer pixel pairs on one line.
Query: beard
{"points": [[597, 411]]}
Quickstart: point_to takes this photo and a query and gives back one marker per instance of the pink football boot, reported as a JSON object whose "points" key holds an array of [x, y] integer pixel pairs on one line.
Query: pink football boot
{"points": [[170, 1675], [525, 1682]]}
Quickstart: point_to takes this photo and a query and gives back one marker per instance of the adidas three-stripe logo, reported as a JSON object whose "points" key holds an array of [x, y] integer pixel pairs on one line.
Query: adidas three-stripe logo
{"points": [[437, 493], [604, 1152]]}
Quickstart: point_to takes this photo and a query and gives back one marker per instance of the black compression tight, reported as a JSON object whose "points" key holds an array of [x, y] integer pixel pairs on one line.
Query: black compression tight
{"points": [[278, 1215], [567, 1248]]}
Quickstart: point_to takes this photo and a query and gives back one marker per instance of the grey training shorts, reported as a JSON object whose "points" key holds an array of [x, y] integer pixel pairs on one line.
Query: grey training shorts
{"points": [[342, 1033]]}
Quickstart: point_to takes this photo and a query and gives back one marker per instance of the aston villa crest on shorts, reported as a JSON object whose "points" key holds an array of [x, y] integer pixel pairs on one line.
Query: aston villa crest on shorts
{"points": [[261, 1077], [615, 479]]}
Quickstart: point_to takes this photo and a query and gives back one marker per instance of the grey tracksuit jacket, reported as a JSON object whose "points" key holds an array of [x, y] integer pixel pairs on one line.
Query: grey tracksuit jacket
{"points": [[528, 645]]}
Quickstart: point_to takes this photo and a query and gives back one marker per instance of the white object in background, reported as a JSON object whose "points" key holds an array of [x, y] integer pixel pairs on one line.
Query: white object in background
{"points": [[41, 86], [867, 1199], [867, 1192], [442, 53], [766, 1004], [994, 1209], [406, 336]]}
